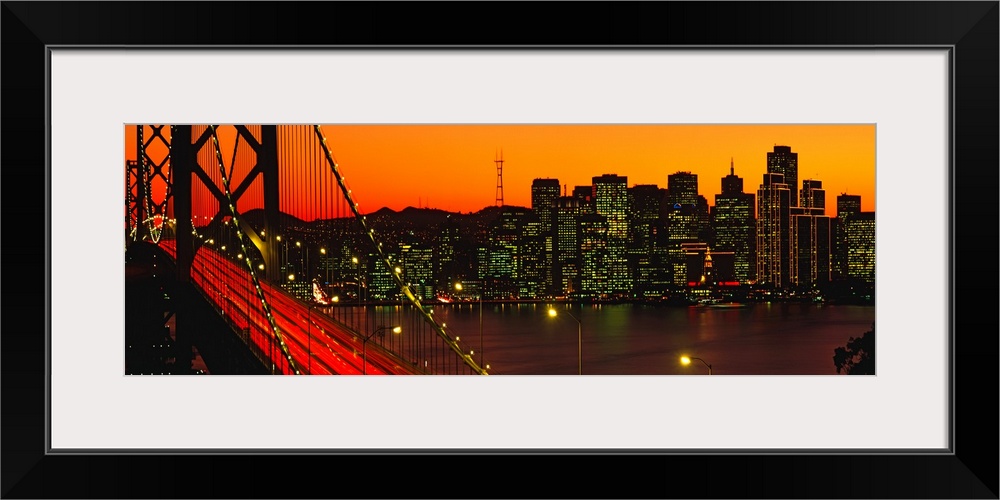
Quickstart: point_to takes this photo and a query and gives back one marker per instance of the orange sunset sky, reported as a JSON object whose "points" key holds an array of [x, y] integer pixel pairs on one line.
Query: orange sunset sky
{"points": [[451, 167]]}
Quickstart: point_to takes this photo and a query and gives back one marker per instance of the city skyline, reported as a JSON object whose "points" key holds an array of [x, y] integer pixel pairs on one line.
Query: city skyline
{"points": [[425, 161], [608, 242]]}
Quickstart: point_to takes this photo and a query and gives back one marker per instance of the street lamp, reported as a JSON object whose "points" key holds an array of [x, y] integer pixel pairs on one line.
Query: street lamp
{"points": [[685, 360], [280, 260], [302, 265], [357, 276], [482, 350], [364, 344], [579, 333], [325, 263]]}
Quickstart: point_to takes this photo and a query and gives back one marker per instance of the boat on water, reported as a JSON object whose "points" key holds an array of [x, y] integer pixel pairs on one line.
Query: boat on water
{"points": [[727, 305], [719, 304]]}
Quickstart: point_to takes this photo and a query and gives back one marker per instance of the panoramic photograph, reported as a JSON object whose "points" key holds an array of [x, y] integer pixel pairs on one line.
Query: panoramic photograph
{"points": [[480, 249]]}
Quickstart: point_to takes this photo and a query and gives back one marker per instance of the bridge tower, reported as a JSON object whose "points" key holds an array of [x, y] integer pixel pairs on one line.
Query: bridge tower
{"points": [[185, 168], [180, 169]]}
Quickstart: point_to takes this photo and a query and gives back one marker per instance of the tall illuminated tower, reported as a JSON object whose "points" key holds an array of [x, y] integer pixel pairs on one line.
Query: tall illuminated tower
{"points": [[498, 161], [812, 194], [566, 264], [611, 202], [544, 193], [809, 233], [644, 214], [595, 273], [848, 205], [861, 247], [686, 215], [773, 251], [783, 161], [733, 221]]}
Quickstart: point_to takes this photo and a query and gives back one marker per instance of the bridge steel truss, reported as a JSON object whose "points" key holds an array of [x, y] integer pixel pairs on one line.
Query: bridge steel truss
{"points": [[178, 169]]}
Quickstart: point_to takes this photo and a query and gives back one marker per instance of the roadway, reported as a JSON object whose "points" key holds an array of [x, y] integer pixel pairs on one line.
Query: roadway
{"points": [[334, 348]]}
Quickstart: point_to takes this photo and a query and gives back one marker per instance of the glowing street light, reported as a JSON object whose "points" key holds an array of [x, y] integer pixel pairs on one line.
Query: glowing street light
{"points": [[686, 360], [380, 331], [482, 350], [579, 332], [357, 277]]}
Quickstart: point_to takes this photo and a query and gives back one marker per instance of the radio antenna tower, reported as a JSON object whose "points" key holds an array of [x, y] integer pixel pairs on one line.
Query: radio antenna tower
{"points": [[499, 164]]}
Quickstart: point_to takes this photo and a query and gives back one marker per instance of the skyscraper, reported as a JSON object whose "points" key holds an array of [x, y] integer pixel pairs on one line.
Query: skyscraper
{"points": [[735, 231], [644, 211], [773, 248], [611, 202], [686, 215], [513, 259], [543, 198], [847, 206], [566, 266], [783, 161], [812, 194], [544, 193], [418, 270], [810, 237], [644, 204], [586, 196], [445, 267], [860, 229], [595, 274]]}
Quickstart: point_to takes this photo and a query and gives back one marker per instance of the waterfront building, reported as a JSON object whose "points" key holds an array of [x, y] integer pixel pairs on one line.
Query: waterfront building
{"points": [[594, 270], [860, 229], [734, 226], [544, 193], [848, 205], [773, 248], [566, 268], [611, 202], [686, 215]]}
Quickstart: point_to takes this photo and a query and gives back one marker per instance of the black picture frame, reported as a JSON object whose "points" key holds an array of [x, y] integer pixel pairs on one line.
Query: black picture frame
{"points": [[971, 28]]}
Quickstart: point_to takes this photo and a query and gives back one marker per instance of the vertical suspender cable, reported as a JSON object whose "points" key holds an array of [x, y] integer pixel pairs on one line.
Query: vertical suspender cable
{"points": [[370, 234], [246, 255]]}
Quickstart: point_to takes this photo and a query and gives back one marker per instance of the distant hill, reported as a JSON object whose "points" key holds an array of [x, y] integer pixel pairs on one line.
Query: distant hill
{"points": [[410, 216], [256, 218]]}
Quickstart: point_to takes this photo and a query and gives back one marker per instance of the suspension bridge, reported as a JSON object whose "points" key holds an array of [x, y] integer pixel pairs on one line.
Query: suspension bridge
{"points": [[258, 222]]}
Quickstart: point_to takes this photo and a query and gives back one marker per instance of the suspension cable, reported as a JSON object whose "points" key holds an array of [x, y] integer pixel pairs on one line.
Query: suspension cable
{"points": [[370, 233], [246, 255], [147, 182]]}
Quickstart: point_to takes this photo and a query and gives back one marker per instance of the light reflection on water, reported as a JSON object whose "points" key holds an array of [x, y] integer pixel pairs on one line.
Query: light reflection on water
{"points": [[760, 339]]}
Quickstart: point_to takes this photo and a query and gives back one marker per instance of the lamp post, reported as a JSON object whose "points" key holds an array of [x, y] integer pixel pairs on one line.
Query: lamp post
{"points": [[364, 344], [579, 334], [357, 277], [482, 350], [280, 259], [325, 263], [685, 360], [302, 266]]}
